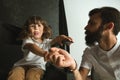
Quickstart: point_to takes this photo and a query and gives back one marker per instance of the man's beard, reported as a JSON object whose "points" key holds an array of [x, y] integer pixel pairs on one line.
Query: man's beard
{"points": [[93, 37]]}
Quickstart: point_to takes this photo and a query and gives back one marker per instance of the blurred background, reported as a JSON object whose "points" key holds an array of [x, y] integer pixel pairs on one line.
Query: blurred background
{"points": [[67, 17]]}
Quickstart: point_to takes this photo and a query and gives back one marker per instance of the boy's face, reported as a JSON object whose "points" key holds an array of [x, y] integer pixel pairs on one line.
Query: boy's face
{"points": [[36, 30]]}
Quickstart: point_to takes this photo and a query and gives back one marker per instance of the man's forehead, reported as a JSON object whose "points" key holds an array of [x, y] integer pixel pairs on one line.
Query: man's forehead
{"points": [[95, 18]]}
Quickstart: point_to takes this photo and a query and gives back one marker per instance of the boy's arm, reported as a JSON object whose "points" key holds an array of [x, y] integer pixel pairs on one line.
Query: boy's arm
{"points": [[59, 40], [35, 49]]}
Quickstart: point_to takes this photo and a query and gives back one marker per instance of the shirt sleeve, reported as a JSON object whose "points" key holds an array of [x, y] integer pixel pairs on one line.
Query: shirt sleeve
{"points": [[25, 41], [86, 63]]}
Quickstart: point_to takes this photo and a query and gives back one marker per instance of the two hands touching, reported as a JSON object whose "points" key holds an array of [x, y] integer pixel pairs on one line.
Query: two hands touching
{"points": [[60, 57]]}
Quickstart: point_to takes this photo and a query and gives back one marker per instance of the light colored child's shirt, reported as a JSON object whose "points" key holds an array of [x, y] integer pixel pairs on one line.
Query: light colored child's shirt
{"points": [[31, 58]]}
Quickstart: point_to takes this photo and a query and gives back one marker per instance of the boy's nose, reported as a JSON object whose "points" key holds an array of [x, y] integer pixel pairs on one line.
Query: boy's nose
{"points": [[36, 27]]}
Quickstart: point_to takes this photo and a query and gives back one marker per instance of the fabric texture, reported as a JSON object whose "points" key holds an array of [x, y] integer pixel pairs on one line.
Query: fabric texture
{"points": [[31, 58], [104, 65]]}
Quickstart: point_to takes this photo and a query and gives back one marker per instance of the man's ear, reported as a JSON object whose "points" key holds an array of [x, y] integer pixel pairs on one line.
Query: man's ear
{"points": [[109, 25]]}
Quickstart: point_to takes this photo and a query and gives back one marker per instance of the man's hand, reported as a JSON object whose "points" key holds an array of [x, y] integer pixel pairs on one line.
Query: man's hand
{"points": [[60, 58]]}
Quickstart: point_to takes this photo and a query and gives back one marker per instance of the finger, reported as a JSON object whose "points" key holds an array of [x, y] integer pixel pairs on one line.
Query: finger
{"points": [[53, 54], [71, 39], [68, 39], [54, 58], [63, 52], [45, 56], [60, 61], [49, 55], [53, 49]]}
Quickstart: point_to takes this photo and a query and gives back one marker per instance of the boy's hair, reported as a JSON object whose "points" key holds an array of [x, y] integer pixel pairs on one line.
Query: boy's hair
{"points": [[47, 33]]}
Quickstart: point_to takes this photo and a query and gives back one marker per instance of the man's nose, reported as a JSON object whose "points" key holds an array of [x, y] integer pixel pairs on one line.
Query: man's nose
{"points": [[86, 27]]}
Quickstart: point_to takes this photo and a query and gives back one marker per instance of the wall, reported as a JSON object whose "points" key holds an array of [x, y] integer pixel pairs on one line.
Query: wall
{"points": [[15, 12], [77, 17]]}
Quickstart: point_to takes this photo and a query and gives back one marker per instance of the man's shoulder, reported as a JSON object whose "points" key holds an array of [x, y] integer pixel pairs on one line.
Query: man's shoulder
{"points": [[91, 50]]}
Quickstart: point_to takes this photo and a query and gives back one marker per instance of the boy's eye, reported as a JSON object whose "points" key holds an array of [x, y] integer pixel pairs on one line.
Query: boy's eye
{"points": [[32, 25], [39, 25]]}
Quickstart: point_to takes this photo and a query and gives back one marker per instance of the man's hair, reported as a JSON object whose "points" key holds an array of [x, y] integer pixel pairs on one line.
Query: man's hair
{"points": [[108, 14]]}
